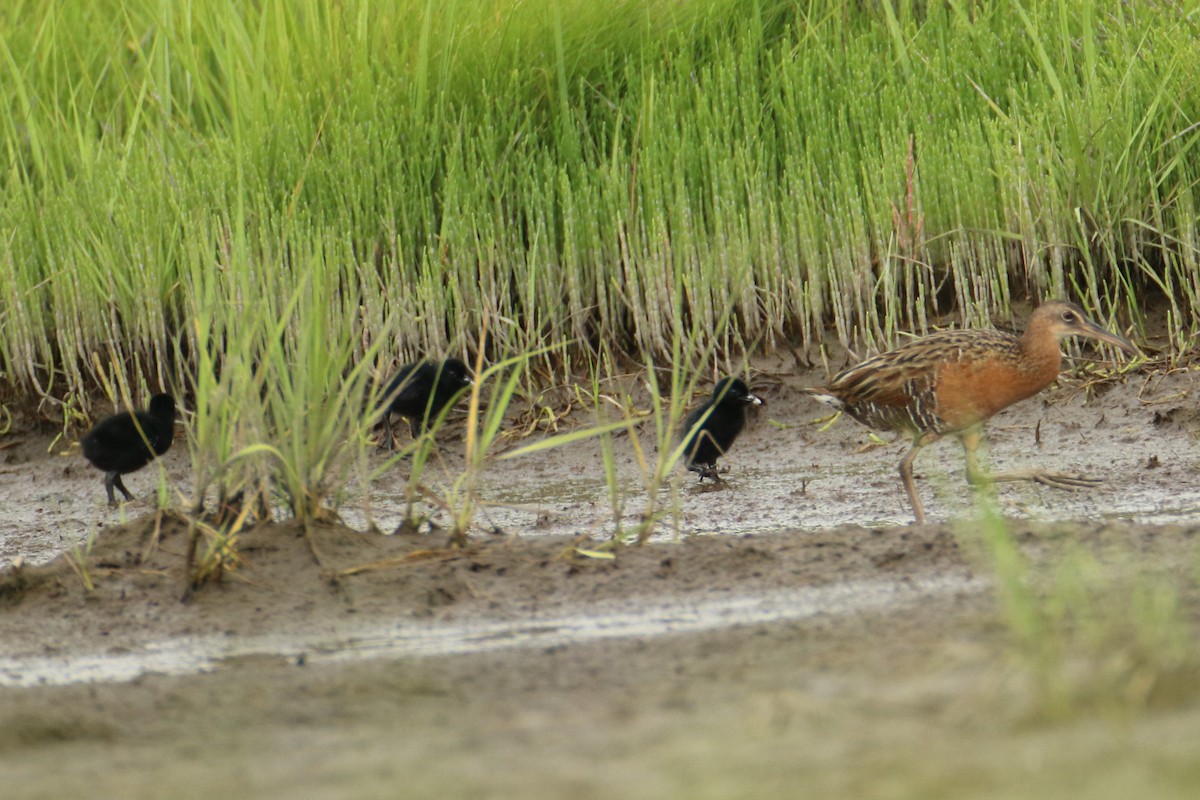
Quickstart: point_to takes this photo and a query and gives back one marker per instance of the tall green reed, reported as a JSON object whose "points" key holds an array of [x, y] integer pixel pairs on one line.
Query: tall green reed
{"points": [[585, 168], [281, 393]]}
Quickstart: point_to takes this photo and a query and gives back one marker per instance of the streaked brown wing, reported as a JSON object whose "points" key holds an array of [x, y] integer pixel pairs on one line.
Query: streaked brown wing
{"points": [[897, 389]]}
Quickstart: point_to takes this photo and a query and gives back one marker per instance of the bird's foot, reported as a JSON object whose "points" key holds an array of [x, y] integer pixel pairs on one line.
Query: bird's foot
{"points": [[113, 481], [1056, 480], [1062, 480], [711, 471]]}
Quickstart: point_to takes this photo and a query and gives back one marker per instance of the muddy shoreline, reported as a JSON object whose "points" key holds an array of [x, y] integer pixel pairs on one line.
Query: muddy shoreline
{"points": [[789, 472], [899, 674], [789, 629]]}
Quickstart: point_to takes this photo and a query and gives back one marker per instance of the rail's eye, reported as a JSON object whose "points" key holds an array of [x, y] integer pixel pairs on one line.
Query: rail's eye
{"points": [[1070, 316]]}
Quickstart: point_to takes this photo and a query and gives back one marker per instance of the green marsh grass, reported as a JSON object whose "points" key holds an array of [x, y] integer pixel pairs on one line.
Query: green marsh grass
{"points": [[314, 402], [489, 424], [668, 406], [668, 403], [417, 454], [483, 430], [578, 170], [279, 397], [502, 396], [458, 494], [262, 202], [79, 558], [603, 405], [1093, 629]]}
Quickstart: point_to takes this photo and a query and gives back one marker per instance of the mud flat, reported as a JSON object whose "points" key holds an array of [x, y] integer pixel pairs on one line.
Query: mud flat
{"points": [[792, 638]]}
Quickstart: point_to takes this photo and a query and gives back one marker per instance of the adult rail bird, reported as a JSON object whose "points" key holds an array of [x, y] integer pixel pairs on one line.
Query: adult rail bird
{"points": [[126, 442], [711, 429], [952, 382], [421, 391]]}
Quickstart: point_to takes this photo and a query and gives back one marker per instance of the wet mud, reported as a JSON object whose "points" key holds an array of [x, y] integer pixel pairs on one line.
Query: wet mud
{"points": [[789, 471], [789, 627]]}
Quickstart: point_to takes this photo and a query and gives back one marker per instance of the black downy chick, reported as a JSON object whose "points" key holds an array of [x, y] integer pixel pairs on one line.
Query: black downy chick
{"points": [[711, 429], [421, 391], [128, 441]]}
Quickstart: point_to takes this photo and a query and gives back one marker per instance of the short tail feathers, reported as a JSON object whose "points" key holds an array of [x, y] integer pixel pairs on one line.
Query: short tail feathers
{"points": [[821, 394]]}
